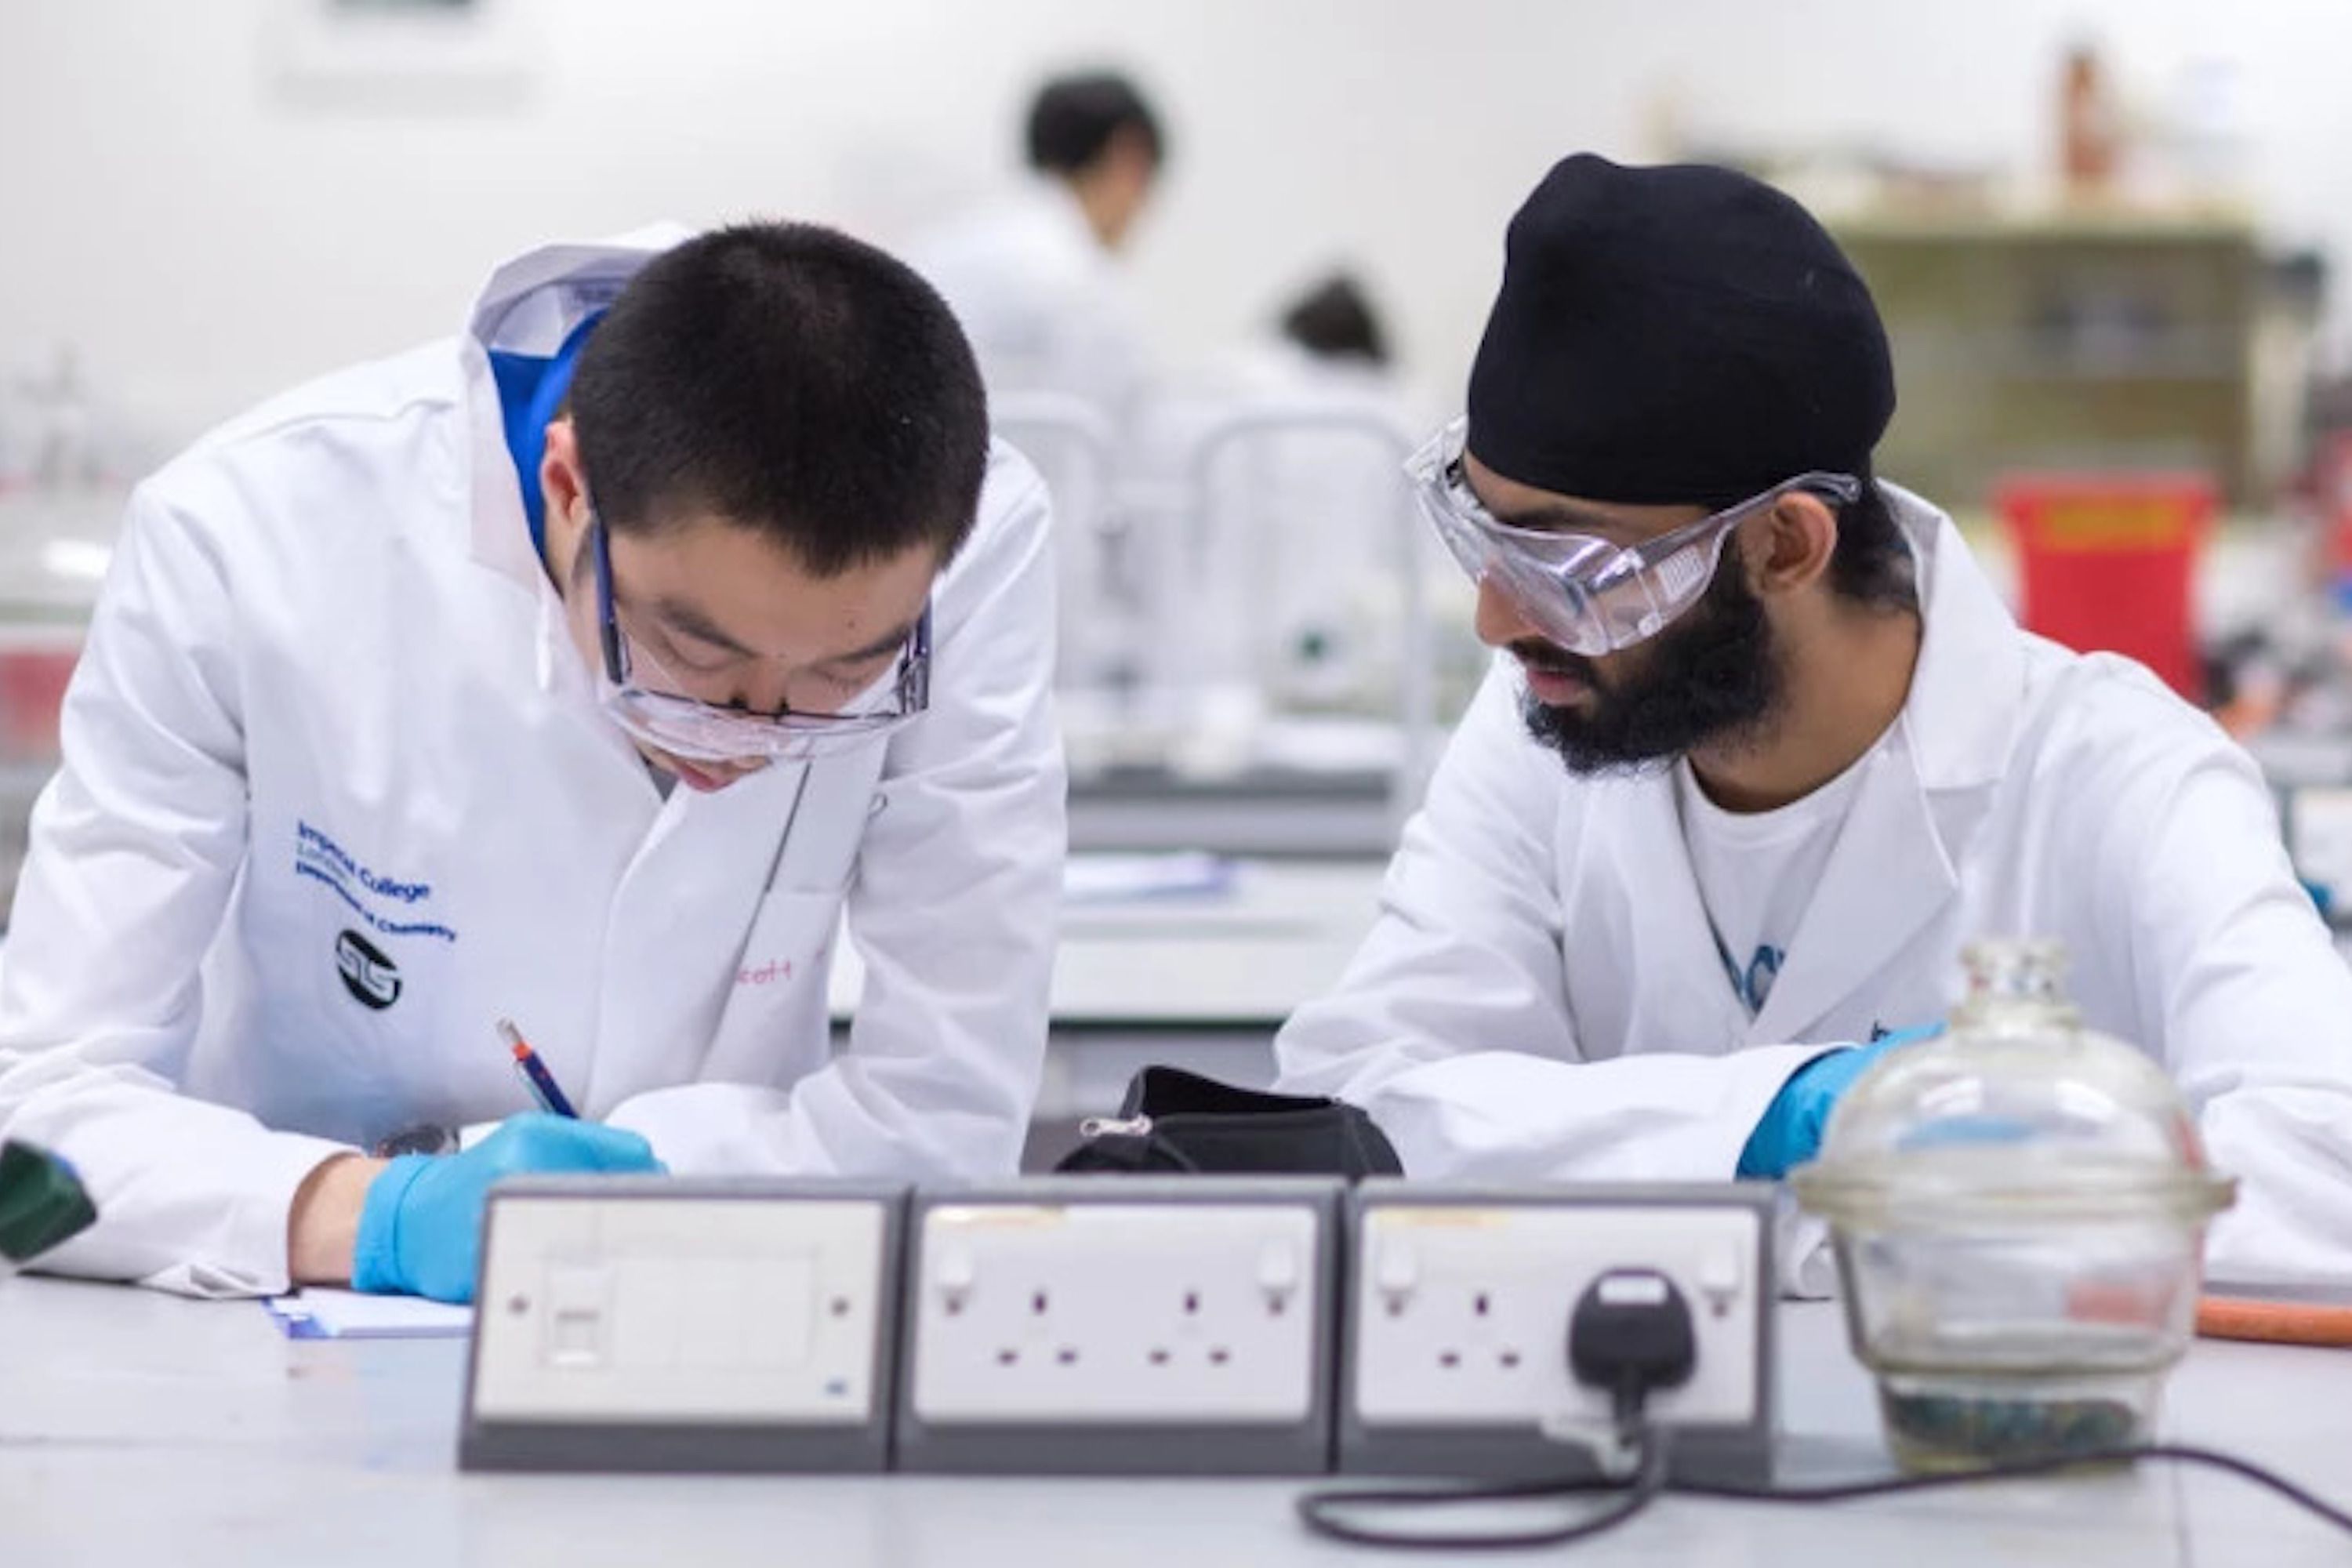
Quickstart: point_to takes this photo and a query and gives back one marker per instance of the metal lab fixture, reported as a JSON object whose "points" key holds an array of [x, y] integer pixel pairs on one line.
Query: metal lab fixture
{"points": [[1074, 449], [1158, 758], [1416, 704]]}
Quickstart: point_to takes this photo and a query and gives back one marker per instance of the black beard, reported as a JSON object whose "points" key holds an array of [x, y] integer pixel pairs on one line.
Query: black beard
{"points": [[1712, 677]]}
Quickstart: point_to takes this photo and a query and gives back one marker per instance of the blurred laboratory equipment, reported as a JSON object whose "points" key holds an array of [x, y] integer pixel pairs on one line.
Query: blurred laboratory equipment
{"points": [[66, 457], [2203, 138], [2107, 562], [1320, 644], [1295, 599], [2018, 1210], [1265, 677], [2062, 339], [1285, 594], [1075, 451], [1281, 606], [2091, 130]]}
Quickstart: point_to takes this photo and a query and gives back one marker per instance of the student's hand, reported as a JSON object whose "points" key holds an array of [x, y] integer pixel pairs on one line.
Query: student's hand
{"points": [[1788, 1134], [420, 1230]]}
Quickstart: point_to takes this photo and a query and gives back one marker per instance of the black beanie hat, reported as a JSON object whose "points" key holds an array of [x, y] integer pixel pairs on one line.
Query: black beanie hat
{"points": [[1678, 335]]}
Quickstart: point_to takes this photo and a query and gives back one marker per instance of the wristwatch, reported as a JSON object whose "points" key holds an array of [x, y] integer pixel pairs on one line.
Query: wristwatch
{"points": [[417, 1141]]}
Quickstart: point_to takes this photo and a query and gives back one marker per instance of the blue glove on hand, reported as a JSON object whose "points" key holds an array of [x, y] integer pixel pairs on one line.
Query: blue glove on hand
{"points": [[1790, 1131], [421, 1228]]}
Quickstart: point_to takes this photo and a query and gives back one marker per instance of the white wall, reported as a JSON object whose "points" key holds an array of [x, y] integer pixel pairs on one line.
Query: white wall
{"points": [[201, 238]]}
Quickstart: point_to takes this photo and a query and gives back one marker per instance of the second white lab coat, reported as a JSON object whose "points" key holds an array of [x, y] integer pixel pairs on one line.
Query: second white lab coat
{"points": [[1046, 307], [1542, 996], [338, 795]]}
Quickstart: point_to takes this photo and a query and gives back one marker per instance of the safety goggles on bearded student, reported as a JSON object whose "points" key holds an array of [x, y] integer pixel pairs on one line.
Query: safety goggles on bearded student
{"points": [[1585, 594]]}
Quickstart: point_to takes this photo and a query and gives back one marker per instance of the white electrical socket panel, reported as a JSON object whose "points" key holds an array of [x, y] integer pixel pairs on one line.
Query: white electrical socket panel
{"points": [[643, 1324], [1458, 1305], [1121, 1324], [1184, 1313]]}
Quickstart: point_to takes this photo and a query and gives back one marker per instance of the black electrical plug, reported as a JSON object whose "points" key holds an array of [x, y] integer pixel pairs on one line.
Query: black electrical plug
{"points": [[1631, 1335]]}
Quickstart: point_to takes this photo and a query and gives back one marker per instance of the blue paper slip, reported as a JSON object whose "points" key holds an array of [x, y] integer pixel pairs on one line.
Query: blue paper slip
{"points": [[1121, 879], [317, 1312]]}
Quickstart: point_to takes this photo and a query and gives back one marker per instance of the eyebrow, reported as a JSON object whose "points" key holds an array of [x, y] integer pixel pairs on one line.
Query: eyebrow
{"points": [[1550, 516], [685, 618], [876, 648], [1561, 517], [681, 617]]}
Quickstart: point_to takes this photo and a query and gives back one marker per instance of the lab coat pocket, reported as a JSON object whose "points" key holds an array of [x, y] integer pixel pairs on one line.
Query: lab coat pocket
{"points": [[772, 1028]]}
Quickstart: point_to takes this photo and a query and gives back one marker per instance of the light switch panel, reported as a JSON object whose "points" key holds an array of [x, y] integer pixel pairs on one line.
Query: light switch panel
{"points": [[643, 1324]]}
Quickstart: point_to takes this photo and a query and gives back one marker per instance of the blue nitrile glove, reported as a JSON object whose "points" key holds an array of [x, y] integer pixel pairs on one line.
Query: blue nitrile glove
{"points": [[1790, 1131], [421, 1228]]}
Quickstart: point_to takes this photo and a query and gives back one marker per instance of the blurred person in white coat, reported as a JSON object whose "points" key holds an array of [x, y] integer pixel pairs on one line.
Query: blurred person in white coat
{"points": [[1036, 278], [1763, 750], [1324, 504], [580, 669]]}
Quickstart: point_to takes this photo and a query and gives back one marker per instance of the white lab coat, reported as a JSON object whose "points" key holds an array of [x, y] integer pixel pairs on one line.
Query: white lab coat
{"points": [[1543, 998], [328, 690], [1046, 307]]}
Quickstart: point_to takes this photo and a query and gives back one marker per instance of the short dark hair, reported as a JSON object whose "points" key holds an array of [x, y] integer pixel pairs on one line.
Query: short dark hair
{"points": [[1335, 320], [1872, 565], [1073, 119], [790, 379]]}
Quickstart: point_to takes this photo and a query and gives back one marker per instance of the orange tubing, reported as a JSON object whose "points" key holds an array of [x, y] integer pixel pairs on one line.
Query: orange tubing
{"points": [[2275, 1323]]}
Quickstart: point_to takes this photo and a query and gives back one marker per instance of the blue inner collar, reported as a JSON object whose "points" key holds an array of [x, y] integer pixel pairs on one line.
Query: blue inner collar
{"points": [[531, 389]]}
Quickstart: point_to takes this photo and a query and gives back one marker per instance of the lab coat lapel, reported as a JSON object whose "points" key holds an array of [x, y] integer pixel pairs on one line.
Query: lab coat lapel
{"points": [[1670, 935], [703, 868], [1893, 868], [1887, 875], [773, 1021]]}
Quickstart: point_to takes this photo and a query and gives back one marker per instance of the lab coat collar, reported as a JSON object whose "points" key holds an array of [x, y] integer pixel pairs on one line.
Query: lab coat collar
{"points": [[1968, 690], [1057, 203], [529, 305], [532, 301]]}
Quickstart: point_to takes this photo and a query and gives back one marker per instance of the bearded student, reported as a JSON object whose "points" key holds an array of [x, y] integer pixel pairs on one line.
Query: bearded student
{"points": [[1763, 750]]}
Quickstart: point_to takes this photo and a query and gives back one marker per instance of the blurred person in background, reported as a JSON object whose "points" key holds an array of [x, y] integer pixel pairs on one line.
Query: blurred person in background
{"points": [[1035, 279]]}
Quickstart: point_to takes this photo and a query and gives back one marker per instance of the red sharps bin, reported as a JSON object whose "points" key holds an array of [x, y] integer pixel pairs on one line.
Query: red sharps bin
{"points": [[2108, 563]]}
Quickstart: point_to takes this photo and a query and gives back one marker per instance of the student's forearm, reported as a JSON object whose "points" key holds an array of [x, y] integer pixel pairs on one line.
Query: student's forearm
{"points": [[325, 1220]]}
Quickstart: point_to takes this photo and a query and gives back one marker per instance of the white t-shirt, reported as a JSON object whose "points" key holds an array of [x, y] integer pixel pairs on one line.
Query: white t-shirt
{"points": [[1757, 872]]}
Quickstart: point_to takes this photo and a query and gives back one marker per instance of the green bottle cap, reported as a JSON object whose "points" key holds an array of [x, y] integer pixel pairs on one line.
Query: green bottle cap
{"points": [[41, 1202]]}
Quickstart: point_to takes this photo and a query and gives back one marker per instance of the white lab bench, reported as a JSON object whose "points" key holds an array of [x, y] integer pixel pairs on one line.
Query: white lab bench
{"points": [[1197, 980], [139, 1430]]}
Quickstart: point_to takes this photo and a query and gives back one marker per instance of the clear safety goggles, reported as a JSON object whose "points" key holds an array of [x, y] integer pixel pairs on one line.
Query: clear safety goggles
{"points": [[686, 727], [1585, 594]]}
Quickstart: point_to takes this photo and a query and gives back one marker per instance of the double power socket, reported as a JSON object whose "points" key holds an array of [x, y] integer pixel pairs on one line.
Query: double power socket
{"points": [[1128, 1324]]}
